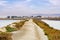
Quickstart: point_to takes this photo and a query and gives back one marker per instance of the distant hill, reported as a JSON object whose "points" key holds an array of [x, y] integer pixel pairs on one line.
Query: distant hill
{"points": [[46, 14]]}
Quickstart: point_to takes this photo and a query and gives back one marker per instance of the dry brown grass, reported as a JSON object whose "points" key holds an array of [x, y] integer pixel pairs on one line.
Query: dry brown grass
{"points": [[19, 24], [52, 33], [5, 36]]}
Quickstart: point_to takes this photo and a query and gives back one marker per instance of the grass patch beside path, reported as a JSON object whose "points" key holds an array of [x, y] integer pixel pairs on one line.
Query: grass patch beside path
{"points": [[53, 34]]}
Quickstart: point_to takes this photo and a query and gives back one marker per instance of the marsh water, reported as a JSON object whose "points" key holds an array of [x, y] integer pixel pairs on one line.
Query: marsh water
{"points": [[53, 23], [6, 22]]}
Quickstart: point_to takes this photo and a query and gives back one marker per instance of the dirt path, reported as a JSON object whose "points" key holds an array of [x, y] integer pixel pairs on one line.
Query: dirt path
{"points": [[29, 31]]}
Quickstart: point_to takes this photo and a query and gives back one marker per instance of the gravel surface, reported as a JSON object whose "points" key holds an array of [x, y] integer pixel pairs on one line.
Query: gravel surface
{"points": [[29, 31]]}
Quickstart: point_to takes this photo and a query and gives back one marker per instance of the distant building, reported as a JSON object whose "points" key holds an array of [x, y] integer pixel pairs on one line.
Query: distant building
{"points": [[8, 17], [14, 17], [37, 17]]}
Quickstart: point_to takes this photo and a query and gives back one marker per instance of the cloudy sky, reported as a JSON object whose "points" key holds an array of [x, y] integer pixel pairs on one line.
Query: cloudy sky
{"points": [[29, 7]]}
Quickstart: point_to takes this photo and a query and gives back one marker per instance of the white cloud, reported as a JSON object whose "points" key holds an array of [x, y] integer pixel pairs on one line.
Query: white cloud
{"points": [[55, 2], [28, 0], [3, 3], [17, 9], [23, 8]]}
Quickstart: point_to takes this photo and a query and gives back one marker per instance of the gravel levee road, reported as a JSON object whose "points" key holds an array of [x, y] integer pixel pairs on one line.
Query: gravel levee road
{"points": [[30, 31]]}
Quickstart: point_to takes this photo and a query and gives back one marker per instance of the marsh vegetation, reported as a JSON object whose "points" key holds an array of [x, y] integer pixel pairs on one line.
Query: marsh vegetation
{"points": [[52, 33]]}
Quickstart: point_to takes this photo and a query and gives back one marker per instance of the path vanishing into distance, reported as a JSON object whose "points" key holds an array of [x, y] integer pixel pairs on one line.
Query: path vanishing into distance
{"points": [[30, 31]]}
